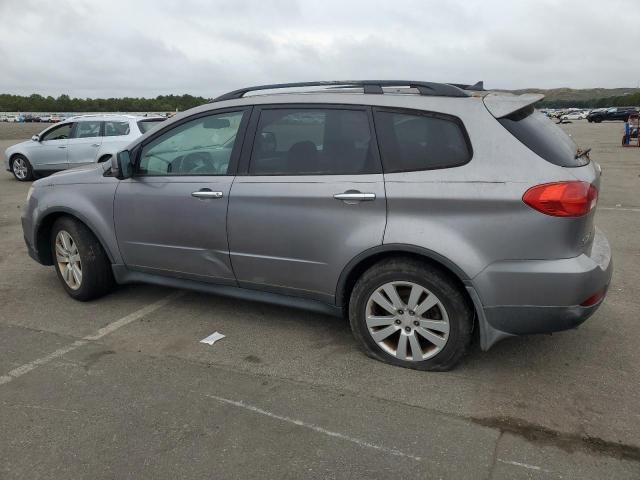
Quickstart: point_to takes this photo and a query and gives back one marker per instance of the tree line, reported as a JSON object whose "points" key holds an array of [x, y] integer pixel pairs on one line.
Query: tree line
{"points": [[65, 103], [618, 101]]}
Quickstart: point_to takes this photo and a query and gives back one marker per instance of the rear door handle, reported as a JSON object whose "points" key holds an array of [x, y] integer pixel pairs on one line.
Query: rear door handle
{"points": [[206, 193], [62, 146], [355, 196], [95, 144]]}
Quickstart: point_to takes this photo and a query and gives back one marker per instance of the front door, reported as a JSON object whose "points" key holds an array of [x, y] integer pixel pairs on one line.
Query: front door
{"points": [[170, 217], [84, 144], [312, 199], [50, 153]]}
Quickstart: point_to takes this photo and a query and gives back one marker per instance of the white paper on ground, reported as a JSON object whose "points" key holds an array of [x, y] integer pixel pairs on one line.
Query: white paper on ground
{"points": [[213, 338]]}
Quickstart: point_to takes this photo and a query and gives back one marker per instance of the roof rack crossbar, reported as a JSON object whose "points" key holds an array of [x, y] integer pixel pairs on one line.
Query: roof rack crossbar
{"points": [[369, 86]]}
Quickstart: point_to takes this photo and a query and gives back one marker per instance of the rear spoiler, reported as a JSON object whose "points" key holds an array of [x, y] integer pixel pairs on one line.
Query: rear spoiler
{"points": [[500, 104]]}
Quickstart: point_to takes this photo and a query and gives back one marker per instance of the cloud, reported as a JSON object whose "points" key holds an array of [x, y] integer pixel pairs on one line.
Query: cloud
{"points": [[152, 47]]}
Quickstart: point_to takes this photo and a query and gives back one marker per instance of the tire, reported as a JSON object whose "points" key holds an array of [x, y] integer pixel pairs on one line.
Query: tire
{"points": [[95, 278], [597, 119], [21, 168], [405, 274]]}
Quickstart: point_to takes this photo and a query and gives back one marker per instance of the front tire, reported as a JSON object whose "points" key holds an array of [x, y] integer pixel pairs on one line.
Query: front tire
{"points": [[80, 261], [21, 168], [407, 313]]}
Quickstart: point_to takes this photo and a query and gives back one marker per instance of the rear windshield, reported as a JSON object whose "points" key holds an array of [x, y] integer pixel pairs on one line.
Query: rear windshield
{"points": [[146, 125], [543, 137]]}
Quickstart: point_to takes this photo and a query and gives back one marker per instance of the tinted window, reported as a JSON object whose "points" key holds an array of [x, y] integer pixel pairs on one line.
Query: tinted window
{"points": [[200, 147], [313, 141], [58, 133], [115, 129], [86, 130], [410, 142], [543, 137], [146, 125]]}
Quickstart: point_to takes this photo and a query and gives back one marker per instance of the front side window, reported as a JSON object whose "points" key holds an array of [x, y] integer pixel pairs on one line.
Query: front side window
{"points": [[313, 141], [116, 129], [86, 130], [412, 142], [199, 147], [58, 133]]}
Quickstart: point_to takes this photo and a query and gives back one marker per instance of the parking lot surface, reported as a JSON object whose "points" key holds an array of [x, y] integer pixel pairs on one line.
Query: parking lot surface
{"points": [[122, 387]]}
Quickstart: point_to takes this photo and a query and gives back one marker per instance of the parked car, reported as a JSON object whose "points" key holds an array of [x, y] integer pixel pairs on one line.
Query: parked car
{"points": [[574, 115], [77, 141], [615, 113], [420, 215]]}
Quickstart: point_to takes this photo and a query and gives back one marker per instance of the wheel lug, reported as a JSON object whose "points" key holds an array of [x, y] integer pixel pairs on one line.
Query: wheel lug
{"points": [[398, 322], [408, 329], [400, 312], [416, 323]]}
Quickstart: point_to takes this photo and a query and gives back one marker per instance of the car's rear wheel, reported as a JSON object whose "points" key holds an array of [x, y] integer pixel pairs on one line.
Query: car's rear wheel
{"points": [[80, 261], [408, 313], [21, 168]]}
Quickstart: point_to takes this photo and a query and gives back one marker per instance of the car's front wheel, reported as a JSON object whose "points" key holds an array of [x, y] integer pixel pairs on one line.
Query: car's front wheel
{"points": [[408, 313], [80, 261], [21, 168]]}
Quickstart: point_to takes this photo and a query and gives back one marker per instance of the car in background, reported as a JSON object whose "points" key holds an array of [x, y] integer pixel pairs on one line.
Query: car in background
{"points": [[611, 114], [574, 115], [77, 141]]}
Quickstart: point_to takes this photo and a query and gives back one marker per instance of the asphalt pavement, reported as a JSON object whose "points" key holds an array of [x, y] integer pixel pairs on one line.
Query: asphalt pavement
{"points": [[122, 388]]}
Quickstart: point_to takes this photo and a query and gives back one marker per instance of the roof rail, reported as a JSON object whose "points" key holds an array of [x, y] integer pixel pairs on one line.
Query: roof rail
{"points": [[368, 86]]}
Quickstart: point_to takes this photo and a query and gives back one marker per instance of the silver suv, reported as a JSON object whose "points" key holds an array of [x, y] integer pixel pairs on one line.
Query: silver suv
{"points": [[76, 141], [419, 210]]}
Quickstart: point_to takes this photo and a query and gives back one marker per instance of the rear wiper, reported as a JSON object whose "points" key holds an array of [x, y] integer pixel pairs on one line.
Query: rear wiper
{"points": [[582, 153]]}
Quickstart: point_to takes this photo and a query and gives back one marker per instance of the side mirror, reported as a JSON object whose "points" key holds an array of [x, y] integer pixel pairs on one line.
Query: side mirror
{"points": [[121, 167], [35, 138]]}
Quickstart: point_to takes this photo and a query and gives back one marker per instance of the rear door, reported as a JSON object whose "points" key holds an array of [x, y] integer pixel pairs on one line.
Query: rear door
{"points": [[311, 198], [84, 143]]}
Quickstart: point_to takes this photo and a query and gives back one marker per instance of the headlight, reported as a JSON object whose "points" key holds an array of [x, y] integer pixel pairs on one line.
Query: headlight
{"points": [[29, 193]]}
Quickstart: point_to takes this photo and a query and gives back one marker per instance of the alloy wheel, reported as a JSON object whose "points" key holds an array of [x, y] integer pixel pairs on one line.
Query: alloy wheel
{"points": [[68, 259], [20, 169], [407, 320]]}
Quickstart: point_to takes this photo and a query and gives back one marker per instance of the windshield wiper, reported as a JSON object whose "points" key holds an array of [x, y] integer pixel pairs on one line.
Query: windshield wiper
{"points": [[582, 153]]}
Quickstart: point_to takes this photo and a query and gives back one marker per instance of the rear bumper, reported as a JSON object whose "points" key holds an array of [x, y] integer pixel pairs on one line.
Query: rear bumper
{"points": [[540, 296]]}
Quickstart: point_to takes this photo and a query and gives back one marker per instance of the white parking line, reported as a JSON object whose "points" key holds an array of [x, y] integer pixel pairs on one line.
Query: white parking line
{"points": [[621, 209], [112, 327], [315, 428], [524, 465]]}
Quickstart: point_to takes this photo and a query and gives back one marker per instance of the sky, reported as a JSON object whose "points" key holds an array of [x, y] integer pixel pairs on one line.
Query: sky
{"points": [[206, 47]]}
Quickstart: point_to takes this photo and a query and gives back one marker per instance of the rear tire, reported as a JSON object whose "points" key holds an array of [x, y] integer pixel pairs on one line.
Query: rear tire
{"points": [[21, 168], [80, 261], [437, 337]]}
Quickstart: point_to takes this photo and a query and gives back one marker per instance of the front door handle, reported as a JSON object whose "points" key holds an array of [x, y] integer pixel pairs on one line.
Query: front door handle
{"points": [[355, 196], [62, 146], [206, 193]]}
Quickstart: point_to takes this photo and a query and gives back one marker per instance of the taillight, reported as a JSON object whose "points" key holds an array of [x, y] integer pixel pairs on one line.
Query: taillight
{"points": [[562, 199]]}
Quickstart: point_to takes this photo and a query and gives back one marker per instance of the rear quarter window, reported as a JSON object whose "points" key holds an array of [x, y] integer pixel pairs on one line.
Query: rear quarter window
{"points": [[415, 141], [146, 125], [543, 137]]}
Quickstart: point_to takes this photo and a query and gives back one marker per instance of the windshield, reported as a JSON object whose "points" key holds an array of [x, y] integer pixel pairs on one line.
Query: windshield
{"points": [[543, 137], [146, 125]]}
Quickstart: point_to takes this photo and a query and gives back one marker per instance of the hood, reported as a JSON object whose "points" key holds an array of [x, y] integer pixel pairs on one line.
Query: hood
{"points": [[16, 146], [93, 173]]}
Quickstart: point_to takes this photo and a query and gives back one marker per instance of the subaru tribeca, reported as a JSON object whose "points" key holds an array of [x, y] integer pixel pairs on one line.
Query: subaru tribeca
{"points": [[419, 210]]}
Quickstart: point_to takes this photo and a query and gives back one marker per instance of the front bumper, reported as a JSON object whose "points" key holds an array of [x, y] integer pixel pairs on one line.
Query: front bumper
{"points": [[540, 296]]}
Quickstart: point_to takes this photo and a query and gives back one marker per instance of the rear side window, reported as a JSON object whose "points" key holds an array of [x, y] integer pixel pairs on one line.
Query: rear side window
{"points": [[543, 137], [411, 142], [313, 141], [116, 129]]}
